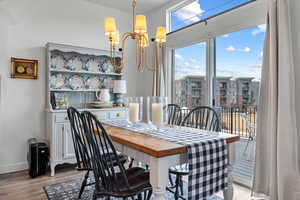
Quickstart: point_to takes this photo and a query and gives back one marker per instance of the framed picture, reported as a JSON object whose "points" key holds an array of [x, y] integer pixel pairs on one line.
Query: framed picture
{"points": [[23, 68]]}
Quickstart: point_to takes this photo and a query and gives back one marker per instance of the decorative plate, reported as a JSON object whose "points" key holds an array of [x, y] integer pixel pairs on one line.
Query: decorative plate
{"points": [[102, 82], [20, 69], [93, 83], [75, 64], [107, 67], [76, 82], [92, 65], [109, 83], [57, 81], [58, 62]]}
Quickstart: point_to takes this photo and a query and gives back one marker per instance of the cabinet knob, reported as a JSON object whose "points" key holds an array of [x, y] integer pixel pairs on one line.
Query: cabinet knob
{"points": [[118, 114]]}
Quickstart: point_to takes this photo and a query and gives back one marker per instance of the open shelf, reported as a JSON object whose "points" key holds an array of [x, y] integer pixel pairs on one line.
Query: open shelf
{"points": [[85, 72], [70, 90]]}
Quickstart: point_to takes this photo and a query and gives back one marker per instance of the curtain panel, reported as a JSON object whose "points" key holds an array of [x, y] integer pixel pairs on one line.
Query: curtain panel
{"points": [[276, 172]]}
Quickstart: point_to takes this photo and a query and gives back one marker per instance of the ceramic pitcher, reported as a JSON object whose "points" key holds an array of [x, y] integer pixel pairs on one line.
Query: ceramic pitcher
{"points": [[103, 95]]}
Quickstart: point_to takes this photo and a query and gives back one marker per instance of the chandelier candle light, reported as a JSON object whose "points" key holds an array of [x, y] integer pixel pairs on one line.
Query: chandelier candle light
{"points": [[139, 33]]}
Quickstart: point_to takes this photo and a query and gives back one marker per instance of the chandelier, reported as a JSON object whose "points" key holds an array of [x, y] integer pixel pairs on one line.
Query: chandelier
{"points": [[140, 35]]}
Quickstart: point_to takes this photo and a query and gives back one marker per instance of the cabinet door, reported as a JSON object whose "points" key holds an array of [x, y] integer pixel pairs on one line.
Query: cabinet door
{"points": [[57, 142], [68, 147], [102, 115]]}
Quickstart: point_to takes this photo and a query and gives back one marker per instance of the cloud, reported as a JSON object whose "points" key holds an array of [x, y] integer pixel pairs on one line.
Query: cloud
{"points": [[255, 66], [186, 64], [226, 35], [190, 13], [196, 67], [259, 29], [261, 54], [246, 49], [188, 68], [179, 57], [225, 72], [251, 70], [231, 48], [193, 60]]}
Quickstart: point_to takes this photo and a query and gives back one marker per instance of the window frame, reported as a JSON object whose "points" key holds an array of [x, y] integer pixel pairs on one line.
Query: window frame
{"points": [[184, 3], [174, 9], [210, 40]]}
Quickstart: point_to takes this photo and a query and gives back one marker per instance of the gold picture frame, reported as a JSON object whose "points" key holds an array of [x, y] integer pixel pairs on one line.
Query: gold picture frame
{"points": [[24, 68]]}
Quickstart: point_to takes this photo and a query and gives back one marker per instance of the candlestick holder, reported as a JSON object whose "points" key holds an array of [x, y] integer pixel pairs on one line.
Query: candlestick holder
{"points": [[157, 114], [135, 108]]}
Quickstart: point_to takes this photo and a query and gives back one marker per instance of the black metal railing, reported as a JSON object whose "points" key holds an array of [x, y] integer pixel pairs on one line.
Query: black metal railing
{"points": [[235, 120], [239, 120]]}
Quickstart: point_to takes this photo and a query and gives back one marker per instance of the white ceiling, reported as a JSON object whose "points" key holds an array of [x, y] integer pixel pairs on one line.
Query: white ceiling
{"points": [[125, 5]]}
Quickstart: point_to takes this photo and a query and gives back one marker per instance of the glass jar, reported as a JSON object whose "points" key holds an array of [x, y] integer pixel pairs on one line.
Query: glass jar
{"points": [[157, 112], [134, 106]]}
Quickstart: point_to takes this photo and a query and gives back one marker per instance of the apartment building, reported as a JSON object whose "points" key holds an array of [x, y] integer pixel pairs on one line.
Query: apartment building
{"points": [[240, 91]]}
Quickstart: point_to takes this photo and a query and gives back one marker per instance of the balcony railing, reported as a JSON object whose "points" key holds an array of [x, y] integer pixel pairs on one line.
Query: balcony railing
{"points": [[235, 120]]}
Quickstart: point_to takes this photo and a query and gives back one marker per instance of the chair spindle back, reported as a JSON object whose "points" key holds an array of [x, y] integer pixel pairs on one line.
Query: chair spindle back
{"points": [[174, 114], [202, 117], [104, 158], [79, 139]]}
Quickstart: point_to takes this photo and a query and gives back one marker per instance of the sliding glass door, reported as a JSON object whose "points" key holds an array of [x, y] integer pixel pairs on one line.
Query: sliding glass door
{"points": [[225, 72], [237, 83]]}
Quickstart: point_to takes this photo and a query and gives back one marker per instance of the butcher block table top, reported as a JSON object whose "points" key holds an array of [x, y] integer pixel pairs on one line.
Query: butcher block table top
{"points": [[154, 146]]}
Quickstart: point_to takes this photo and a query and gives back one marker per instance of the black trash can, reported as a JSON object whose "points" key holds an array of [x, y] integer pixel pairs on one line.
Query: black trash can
{"points": [[37, 157]]}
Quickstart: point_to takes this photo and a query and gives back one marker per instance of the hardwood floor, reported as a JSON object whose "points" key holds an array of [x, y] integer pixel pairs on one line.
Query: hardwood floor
{"points": [[19, 186]]}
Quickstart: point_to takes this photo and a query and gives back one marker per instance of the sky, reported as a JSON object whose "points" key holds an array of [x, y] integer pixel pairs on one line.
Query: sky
{"points": [[239, 54]]}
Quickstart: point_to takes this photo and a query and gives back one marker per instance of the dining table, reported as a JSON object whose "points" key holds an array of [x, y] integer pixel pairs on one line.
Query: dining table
{"points": [[160, 155]]}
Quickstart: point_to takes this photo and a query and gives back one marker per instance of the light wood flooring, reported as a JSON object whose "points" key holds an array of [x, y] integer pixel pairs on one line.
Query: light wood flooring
{"points": [[19, 186]]}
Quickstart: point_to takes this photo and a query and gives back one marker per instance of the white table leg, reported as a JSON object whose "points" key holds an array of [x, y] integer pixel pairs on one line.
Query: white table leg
{"points": [[52, 166], [159, 169], [228, 194]]}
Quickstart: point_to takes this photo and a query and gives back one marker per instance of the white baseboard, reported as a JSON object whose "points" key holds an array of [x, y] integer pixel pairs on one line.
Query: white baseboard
{"points": [[13, 167]]}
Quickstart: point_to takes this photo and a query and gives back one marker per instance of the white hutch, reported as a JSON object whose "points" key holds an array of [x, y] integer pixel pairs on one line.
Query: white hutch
{"points": [[74, 75]]}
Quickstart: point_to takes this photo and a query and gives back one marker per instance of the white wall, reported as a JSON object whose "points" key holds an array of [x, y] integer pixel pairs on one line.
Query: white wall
{"points": [[155, 18], [25, 27], [295, 24]]}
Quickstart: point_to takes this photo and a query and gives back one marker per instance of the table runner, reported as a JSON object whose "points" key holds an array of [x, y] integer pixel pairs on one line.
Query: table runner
{"points": [[207, 155]]}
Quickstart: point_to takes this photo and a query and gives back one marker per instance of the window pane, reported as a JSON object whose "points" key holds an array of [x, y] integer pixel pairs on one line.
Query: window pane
{"points": [[190, 76], [238, 67], [199, 10]]}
